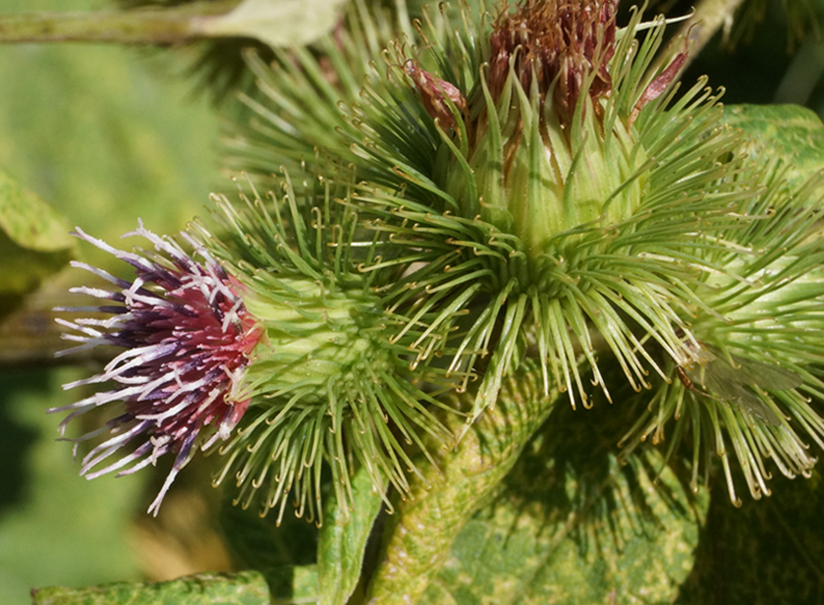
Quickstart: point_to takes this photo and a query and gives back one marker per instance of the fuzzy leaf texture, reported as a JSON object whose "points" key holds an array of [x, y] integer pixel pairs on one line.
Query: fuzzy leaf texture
{"points": [[418, 537], [788, 133], [523, 549], [248, 588]]}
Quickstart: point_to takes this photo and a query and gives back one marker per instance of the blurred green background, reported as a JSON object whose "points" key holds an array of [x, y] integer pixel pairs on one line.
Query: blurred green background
{"points": [[105, 135]]}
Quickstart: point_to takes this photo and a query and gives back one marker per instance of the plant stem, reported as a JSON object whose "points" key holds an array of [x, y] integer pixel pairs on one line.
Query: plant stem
{"points": [[156, 26], [709, 17], [421, 532]]}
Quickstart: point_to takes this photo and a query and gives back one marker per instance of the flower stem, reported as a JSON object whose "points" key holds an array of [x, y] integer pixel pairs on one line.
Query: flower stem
{"points": [[421, 532], [158, 26], [709, 17]]}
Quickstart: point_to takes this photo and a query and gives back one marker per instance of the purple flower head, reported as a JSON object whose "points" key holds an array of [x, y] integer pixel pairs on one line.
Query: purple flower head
{"points": [[187, 338]]}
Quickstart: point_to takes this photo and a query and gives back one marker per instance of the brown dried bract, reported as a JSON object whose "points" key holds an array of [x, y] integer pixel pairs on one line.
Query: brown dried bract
{"points": [[433, 92]]}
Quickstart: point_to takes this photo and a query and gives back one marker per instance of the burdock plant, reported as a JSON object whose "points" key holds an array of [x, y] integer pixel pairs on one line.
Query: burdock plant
{"points": [[497, 211]]}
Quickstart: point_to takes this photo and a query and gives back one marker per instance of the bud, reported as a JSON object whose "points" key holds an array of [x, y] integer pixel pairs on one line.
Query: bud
{"points": [[580, 209], [551, 152], [330, 379], [564, 47], [434, 92]]}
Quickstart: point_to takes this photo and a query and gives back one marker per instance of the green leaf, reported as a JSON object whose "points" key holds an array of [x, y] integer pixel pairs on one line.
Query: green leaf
{"points": [[276, 550], [125, 141], [793, 134], [283, 23], [343, 541], [34, 241], [29, 221], [419, 535], [575, 526], [246, 588]]}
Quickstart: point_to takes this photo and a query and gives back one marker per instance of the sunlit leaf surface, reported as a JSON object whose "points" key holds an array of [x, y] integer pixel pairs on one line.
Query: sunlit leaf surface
{"points": [[794, 135], [574, 526], [34, 240]]}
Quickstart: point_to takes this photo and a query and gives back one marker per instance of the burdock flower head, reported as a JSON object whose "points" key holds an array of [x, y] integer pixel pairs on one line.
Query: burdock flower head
{"points": [[554, 125], [560, 166], [546, 189], [334, 382], [187, 337], [274, 342]]}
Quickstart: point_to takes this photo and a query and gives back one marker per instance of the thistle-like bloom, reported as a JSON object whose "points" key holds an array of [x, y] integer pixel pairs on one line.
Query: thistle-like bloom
{"points": [[187, 338], [275, 343]]}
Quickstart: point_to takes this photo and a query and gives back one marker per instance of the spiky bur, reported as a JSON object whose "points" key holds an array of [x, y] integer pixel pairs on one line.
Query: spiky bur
{"points": [[187, 338], [560, 200], [331, 379], [398, 128], [560, 173], [759, 342]]}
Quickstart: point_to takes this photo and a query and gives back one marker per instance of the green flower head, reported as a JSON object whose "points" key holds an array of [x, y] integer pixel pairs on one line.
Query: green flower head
{"points": [[542, 187], [330, 382]]}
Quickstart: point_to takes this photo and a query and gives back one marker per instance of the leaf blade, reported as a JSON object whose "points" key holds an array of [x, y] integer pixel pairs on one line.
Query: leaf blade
{"points": [[343, 541], [792, 134], [245, 588]]}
